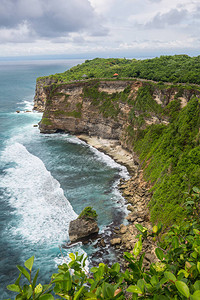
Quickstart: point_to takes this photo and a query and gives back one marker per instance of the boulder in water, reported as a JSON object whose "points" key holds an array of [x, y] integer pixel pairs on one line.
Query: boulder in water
{"points": [[84, 227]]}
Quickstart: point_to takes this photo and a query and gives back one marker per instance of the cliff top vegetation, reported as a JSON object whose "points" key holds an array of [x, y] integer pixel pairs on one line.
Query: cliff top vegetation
{"points": [[176, 68]]}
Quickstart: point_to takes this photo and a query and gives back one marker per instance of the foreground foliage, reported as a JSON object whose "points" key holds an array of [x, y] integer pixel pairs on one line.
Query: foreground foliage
{"points": [[175, 275]]}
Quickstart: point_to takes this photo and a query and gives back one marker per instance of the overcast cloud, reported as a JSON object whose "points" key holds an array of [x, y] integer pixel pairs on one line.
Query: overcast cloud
{"points": [[38, 27]]}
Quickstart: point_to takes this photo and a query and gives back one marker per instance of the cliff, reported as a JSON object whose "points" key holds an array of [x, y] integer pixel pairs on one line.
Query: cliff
{"points": [[113, 109], [159, 122]]}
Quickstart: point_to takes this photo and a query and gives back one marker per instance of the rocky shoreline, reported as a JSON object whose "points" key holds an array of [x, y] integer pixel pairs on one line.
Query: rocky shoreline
{"points": [[136, 193]]}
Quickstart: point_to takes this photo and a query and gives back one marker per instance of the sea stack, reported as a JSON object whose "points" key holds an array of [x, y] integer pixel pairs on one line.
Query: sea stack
{"points": [[84, 227]]}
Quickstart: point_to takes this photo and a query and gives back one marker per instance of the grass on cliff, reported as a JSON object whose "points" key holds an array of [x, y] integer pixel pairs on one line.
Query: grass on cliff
{"points": [[170, 156], [176, 68], [108, 104]]}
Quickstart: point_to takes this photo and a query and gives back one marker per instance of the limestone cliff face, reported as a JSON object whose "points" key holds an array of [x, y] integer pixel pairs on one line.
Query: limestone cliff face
{"points": [[68, 110], [40, 93], [98, 107]]}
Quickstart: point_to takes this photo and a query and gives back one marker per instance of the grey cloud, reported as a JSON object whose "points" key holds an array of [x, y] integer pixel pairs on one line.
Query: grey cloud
{"points": [[50, 18], [173, 17]]}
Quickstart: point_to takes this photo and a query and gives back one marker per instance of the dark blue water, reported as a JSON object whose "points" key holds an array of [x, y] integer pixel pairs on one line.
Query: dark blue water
{"points": [[45, 180]]}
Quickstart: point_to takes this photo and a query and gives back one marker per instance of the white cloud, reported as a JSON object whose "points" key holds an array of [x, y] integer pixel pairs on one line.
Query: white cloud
{"points": [[19, 34], [81, 26]]}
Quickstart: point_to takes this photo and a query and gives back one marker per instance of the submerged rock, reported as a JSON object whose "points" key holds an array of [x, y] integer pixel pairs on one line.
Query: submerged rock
{"points": [[82, 229]]}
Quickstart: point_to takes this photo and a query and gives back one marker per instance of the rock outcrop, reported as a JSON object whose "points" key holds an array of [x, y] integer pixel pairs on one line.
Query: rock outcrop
{"points": [[40, 92], [82, 229]]}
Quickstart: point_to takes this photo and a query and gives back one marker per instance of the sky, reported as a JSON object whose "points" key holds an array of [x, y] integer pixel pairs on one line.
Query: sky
{"points": [[104, 28]]}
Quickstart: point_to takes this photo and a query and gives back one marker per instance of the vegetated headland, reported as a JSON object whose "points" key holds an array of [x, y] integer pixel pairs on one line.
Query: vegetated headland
{"points": [[156, 121]]}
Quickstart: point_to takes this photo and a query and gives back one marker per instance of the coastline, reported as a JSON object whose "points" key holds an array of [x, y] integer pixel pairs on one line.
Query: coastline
{"points": [[114, 149], [137, 196]]}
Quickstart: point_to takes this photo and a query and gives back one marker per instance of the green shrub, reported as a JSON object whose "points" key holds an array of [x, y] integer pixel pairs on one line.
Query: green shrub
{"points": [[46, 121], [88, 213]]}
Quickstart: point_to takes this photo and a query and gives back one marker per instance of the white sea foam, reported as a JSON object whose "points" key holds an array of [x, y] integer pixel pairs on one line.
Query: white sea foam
{"points": [[123, 172], [28, 105], [110, 162], [38, 200]]}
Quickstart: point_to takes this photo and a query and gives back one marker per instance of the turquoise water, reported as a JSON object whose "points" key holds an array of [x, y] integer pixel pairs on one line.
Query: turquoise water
{"points": [[45, 180]]}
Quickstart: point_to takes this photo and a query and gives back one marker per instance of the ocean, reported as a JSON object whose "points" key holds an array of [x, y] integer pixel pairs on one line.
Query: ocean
{"points": [[46, 180]]}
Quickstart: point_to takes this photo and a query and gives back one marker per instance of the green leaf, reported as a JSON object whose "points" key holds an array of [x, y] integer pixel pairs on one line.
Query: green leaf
{"points": [[19, 297], [197, 285], [198, 266], [13, 288], [116, 267], [163, 280], [134, 289], [141, 285], [29, 292], [47, 297], [140, 228], [38, 288], [84, 262], [195, 296], [29, 263], [68, 281], [138, 247], [18, 279], [186, 274], [159, 228], [108, 291], [182, 288], [76, 296], [155, 229], [196, 190], [170, 276], [189, 202], [35, 279], [93, 285], [59, 278], [140, 262], [72, 256], [175, 242], [148, 287], [196, 231], [24, 272], [154, 280], [194, 254], [94, 269], [159, 253], [90, 295]]}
